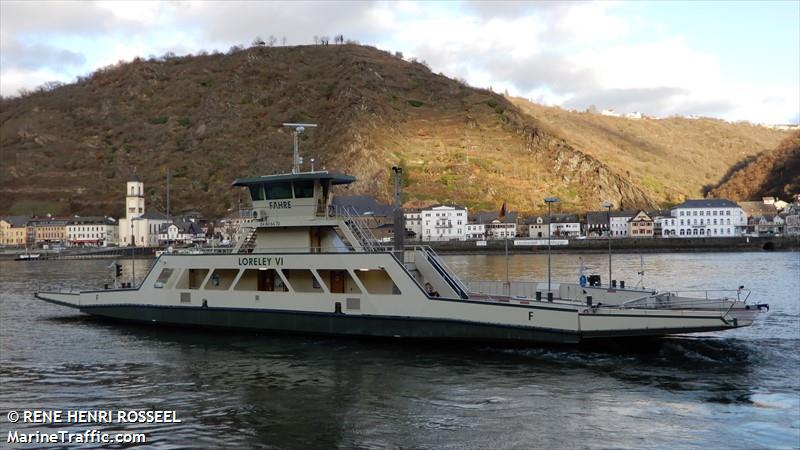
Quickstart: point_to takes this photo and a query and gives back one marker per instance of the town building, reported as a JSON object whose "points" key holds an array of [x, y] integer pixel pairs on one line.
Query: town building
{"points": [[597, 223], [777, 203], [91, 231], [767, 225], [139, 227], [792, 227], [444, 223], [496, 226], [561, 226], [619, 223], [413, 219], [13, 231], [181, 232], [476, 231], [229, 226], [641, 225], [705, 218], [47, 231], [658, 216]]}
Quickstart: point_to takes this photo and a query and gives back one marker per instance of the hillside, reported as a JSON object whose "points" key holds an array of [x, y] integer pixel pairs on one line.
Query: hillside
{"points": [[212, 118], [669, 159], [774, 173]]}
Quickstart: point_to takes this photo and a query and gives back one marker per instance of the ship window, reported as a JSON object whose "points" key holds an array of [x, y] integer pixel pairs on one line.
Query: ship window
{"points": [[196, 277], [221, 279], [377, 281], [338, 281], [163, 277], [302, 280], [260, 280], [303, 189], [256, 192], [278, 191]]}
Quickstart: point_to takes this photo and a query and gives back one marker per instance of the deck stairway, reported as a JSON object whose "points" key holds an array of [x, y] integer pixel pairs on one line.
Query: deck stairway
{"points": [[359, 229], [457, 285], [246, 239]]}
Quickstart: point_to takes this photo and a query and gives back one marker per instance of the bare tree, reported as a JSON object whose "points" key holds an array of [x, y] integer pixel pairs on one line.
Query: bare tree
{"points": [[338, 39], [272, 40], [283, 41], [258, 42], [325, 40], [316, 40]]}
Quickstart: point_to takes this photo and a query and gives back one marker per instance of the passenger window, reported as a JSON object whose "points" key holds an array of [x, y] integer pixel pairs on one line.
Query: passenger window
{"points": [[278, 191], [221, 279], [377, 281], [163, 277], [260, 280], [338, 281], [196, 277], [302, 280]]}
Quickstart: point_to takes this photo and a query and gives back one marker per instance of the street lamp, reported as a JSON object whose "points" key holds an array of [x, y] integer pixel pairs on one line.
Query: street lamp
{"points": [[549, 201], [133, 255], [609, 205]]}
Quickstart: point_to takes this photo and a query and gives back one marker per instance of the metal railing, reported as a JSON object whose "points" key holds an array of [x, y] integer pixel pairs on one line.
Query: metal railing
{"points": [[362, 233], [678, 300]]}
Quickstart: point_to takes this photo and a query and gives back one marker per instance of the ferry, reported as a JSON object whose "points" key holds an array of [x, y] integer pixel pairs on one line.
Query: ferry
{"points": [[303, 267], [27, 257]]}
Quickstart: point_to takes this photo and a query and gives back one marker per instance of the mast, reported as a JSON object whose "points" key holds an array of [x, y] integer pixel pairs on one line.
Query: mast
{"points": [[399, 217], [298, 128]]}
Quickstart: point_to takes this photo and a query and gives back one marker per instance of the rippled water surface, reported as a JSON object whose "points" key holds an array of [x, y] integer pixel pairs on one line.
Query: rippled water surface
{"points": [[736, 389]]}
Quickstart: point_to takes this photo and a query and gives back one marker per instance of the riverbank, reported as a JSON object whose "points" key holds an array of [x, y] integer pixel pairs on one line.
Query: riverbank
{"points": [[82, 253], [650, 245]]}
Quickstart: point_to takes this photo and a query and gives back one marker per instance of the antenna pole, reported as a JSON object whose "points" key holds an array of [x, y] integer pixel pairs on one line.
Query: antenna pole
{"points": [[297, 129], [168, 218]]}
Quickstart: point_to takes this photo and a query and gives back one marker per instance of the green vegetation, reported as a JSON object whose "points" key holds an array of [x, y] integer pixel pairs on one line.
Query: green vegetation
{"points": [[158, 120], [37, 208]]}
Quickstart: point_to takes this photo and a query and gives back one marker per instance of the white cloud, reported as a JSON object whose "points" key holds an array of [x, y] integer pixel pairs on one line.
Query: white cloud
{"points": [[564, 53]]}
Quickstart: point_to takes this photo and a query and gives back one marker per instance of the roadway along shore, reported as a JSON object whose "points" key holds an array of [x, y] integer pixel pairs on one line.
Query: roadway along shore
{"points": [[595, 245], [646, 245]]}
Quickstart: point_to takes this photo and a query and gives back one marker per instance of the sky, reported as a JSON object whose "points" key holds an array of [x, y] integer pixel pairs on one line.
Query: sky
{"points": [[733, 60]]}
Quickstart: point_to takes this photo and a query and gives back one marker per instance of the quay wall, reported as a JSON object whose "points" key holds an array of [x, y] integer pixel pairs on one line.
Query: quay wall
{"points": [[643, 245]]}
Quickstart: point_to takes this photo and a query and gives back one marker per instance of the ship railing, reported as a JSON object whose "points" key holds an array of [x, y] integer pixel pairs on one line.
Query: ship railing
{"points": [[438, 265], [710, 299], [297, 249], [524, 289], [360, 230]]}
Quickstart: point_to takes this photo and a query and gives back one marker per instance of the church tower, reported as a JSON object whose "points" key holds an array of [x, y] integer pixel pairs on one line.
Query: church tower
{"points": [[134, 201]]}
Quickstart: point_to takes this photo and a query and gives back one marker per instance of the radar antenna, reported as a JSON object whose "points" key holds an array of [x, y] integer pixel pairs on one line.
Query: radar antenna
{"points": [[297, 129]]}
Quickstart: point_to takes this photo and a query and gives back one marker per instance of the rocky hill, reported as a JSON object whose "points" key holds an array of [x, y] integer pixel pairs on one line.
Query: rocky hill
{"points": [[670, 159], [212, 118], [774, 173]]}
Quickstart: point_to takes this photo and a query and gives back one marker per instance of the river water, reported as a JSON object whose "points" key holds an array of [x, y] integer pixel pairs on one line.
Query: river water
{"points": [[735, 389]]}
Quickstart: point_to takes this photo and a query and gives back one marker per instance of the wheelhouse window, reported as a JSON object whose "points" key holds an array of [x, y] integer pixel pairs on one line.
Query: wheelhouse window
{"points": [[257, 192], [303, 189], [279, 191]]}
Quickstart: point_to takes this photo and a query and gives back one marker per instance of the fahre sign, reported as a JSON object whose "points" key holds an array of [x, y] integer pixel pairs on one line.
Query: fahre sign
{"points": [[282, 204], [533, 242]]}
